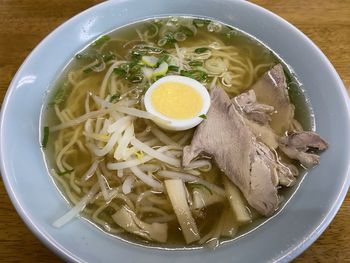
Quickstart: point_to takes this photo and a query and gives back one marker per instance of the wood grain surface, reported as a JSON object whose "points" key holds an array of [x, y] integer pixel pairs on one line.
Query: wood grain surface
{"points": [[24, 23]]}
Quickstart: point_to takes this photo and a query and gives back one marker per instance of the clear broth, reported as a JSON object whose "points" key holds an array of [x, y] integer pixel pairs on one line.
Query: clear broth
{"points": [[247, 46]]}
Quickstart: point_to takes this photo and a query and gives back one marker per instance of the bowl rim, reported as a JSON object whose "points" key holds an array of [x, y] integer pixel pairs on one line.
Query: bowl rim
{"points": [[57, 249]]}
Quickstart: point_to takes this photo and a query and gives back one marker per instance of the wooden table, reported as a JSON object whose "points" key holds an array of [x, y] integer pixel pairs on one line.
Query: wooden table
{"points": [[23, 24]]}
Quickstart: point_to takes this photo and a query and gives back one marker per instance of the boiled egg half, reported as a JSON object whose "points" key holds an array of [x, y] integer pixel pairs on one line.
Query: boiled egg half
{"points": [[177, 102]]}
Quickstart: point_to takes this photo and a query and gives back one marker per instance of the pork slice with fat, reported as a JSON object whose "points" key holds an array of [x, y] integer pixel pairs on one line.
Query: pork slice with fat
{"points": [[299, 145], [271, 89], [225, 136]]}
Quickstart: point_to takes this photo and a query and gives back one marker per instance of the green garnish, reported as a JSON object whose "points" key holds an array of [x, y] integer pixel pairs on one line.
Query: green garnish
{"points": [[65, 172], [101, 40], [125, 66], [203, 116], [148, 50], [130, 71], [195, 63], [186, 31], [120, 72], [231, 34], [114, 98], [87, 70], [135, 78], [201, 22], [168, 38], [163, 58], [108, 56], [198, 185], [133, 72], [46, 136], [173, 68], [90, 56], [153, 50], [194, 74], [136, 55], [60, 95], [201, 50]]}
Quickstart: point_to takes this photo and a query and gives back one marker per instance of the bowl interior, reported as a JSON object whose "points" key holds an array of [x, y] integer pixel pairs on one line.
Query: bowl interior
{"points": [[281, 238]]}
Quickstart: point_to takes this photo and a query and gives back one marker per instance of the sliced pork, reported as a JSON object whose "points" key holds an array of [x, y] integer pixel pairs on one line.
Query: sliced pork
{"points": [[225, 136], [271, 89], [242, 135], [247, 104], [257, 116], [300, 146]]}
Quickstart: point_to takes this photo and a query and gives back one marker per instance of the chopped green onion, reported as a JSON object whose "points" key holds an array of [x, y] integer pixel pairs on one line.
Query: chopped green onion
{"points": [[168, 38], [163, 58], [203, 116], [173, 68], [194, 74], [119, 71], [134, 64], [125, 66], [231, 34], [134, 74], [136, 55], [197, 185], [60, 95], [114, 98], [201, 22], [65, 172], [46, 136], [135, 78], [101, 40], [134, 68], [155, 50], [146, 50], [195, 63], [186, 31], [141, 50], [130, 71], [94, 54], [87, 70], [201, 50], [107, 57]]}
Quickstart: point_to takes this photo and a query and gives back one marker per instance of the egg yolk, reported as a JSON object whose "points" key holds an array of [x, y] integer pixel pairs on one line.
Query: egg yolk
{"points": [[176, 100]]}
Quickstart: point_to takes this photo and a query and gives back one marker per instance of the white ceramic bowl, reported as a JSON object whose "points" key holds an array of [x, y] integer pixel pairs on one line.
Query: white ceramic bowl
{"points": [[280, 238]]}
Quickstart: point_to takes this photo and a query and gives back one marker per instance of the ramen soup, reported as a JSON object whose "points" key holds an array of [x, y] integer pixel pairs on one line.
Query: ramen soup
{"points": [[177, 132]]}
